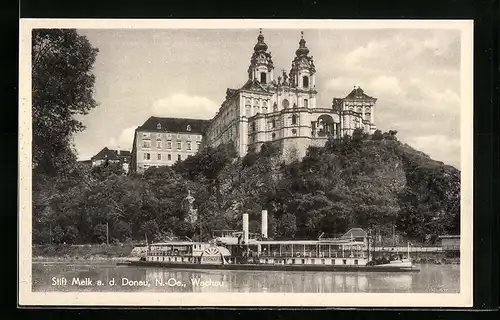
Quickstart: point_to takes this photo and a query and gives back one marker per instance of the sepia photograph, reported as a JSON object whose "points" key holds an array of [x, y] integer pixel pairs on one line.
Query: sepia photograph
{"points": [[245, 163]]}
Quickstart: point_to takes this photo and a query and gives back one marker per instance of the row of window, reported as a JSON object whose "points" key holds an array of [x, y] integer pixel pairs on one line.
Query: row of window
{"points": [[303, 261], [273, 123], [146, 135], [147, 144], [158, 126], [285, 104], [147, 156]]}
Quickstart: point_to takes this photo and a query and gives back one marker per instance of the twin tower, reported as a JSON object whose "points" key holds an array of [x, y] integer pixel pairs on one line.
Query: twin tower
{"points": [[262, 68], [284, 110]]}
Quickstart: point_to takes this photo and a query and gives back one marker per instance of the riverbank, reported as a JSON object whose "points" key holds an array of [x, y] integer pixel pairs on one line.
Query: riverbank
{"points": [[83, 252]]}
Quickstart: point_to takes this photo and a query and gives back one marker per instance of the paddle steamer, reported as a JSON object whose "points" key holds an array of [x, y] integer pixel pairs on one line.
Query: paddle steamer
{"points": [[241, 250]]}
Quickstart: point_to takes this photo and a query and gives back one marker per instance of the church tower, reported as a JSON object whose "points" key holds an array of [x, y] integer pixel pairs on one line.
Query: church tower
{"points": [[303, 69], [261, 64]]}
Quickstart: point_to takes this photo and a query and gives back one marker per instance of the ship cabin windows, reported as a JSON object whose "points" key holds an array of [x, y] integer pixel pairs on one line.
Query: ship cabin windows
{"points": [[322, 261], [344, 261], [305, 81], [355, 261], [303, 261], [263, 77]]}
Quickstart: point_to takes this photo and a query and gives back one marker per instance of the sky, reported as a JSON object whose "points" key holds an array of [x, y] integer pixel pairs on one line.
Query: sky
{"points": [[414, 74]]}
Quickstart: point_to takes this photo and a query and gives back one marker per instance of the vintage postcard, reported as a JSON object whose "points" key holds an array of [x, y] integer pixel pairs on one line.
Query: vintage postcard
{"points": [[245, 163]]}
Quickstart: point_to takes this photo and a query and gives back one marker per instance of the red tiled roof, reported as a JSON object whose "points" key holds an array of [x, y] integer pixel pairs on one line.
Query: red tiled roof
{"points": [[108, 154], [160, 124], [358, 93]]}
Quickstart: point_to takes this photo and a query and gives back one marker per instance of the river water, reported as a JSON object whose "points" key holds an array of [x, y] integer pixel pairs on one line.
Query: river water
{"points": [[70, 277]]}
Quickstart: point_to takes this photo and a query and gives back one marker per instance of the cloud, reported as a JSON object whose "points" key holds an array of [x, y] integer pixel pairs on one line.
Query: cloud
{"points": [[124, 140], [184, 106], [386, 85], [438, 51], [439, 147]]}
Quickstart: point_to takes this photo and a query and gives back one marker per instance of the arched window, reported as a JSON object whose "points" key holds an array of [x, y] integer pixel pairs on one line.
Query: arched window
{"points": [[158, 126], [264, 107], [188, 128], [306, 103], [294, 119], [285, 104], [305, 81], [275, 107], [247, 111], [273, 123], [263, 77], [294, 132], [273, 135]]}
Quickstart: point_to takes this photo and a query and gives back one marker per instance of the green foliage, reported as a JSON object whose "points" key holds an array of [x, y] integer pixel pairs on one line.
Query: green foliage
{"points": [[369, 183], [62, 89], [377, 135], [107, 169]]}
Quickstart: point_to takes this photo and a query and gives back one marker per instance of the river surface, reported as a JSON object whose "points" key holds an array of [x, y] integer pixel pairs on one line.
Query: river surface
{"points": [[70, 277]]}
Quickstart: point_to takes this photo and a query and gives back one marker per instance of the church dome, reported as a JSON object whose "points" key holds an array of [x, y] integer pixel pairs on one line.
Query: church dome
{"points": [[302, 50], [261, 45]]}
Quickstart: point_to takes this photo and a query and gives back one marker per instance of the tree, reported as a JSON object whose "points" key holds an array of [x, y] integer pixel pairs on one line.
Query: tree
{"points": [[62, 88], [377, 135], [357, 135], [107, 169]]}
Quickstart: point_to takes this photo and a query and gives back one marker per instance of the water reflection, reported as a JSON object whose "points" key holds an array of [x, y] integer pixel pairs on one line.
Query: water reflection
{"points": [[431, 278]]}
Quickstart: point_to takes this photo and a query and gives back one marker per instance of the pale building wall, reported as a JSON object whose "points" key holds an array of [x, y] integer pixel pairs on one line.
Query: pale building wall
{"points": [[164, 148]]}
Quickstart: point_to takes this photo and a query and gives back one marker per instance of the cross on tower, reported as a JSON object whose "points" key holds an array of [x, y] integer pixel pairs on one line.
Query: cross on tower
{"points": [[260, 30], [302, 34]]}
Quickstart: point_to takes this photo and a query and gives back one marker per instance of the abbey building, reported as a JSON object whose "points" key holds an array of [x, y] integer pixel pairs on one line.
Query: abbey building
{"points": [[284, 109], [268, 107]]}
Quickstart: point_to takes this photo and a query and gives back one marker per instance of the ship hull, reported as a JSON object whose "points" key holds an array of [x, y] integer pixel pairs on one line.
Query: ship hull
{"points": [[272, 267]]}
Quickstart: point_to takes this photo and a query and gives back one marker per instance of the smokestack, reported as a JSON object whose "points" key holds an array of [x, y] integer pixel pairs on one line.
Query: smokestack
{"points": [[245, 228], [263, 227]]}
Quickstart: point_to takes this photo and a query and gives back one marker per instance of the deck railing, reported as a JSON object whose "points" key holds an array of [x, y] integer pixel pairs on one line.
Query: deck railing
{"points": [[314, 254]]}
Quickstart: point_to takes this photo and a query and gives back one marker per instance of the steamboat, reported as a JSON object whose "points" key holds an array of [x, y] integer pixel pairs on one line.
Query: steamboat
{"points": [[241, 250]]}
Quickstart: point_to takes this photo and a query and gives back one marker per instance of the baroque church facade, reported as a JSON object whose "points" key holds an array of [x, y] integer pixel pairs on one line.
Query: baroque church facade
{"points": [[284, 109]]}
